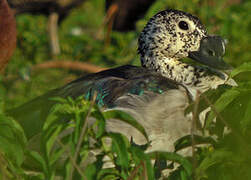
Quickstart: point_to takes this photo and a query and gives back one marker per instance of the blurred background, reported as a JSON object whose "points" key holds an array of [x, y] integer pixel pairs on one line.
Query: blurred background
{"points": [[56, 39]]}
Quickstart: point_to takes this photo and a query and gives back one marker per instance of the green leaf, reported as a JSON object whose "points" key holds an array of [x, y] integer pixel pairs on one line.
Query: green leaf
{"points": [[120, 148], [186, 141], [39, 160], [183, 175], [55, 156], [149, 168], [59, 100], [217, 156], [138, 156], [242, 68], [50, 138], [12, 140], [53, 118], [91, 171], [108, 173], [246, 121], [100, 122], [221, 103], [125, 117], [173, 157]]}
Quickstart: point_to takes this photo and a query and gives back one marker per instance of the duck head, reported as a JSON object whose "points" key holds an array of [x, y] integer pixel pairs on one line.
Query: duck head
{"points": [[171, 35], [7, 33]]}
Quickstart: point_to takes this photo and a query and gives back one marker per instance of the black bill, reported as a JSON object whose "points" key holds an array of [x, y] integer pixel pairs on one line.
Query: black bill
{"points": [[211, 52]]}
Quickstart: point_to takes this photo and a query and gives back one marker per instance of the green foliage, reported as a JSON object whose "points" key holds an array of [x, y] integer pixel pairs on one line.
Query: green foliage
{"points": [[12, 148], [230, 111], [75, 129], [71, 135]]}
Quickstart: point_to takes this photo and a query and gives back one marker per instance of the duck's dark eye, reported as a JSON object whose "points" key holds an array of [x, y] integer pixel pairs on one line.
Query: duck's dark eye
{"points": [[183, 25]]}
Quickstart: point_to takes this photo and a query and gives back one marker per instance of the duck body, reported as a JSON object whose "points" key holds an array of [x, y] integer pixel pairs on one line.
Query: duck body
{"points": [[110, 85], [157, 93], [146, 95]]}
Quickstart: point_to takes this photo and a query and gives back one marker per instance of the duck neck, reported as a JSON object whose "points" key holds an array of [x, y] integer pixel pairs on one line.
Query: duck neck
{"points": [[193, 77], [7, 33]]}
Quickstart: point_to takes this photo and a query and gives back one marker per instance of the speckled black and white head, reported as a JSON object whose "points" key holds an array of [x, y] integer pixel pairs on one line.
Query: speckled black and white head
{"points": [[171, 35]]}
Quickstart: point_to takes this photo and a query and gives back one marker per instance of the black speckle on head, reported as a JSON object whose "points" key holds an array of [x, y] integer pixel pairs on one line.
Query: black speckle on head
{"points": [[180, 13], [186, 66], [197, 81]]}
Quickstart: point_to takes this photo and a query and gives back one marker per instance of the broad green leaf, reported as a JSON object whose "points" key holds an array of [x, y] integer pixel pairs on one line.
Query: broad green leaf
{"points": [[12, 140], [173, 157], [100, 121], [119, 147], [217, 156], [184, 175], [224, 100], [108, 174], [149, 168], [125, 117], [138, 156], [55, 156], [67, 169], [244, 86], [242, 68], [186, 141], [59, 100], [246, 121], [78, 126], [39, 160], [49, 141], [91, 171], [53, 116]]}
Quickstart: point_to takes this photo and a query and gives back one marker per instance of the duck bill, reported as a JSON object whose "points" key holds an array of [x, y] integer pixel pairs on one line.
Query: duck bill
{"points": [[211, 52]]}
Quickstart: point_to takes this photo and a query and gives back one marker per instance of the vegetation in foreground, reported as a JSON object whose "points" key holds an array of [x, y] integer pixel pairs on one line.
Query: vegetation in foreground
{"points": [[227, 156]]}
